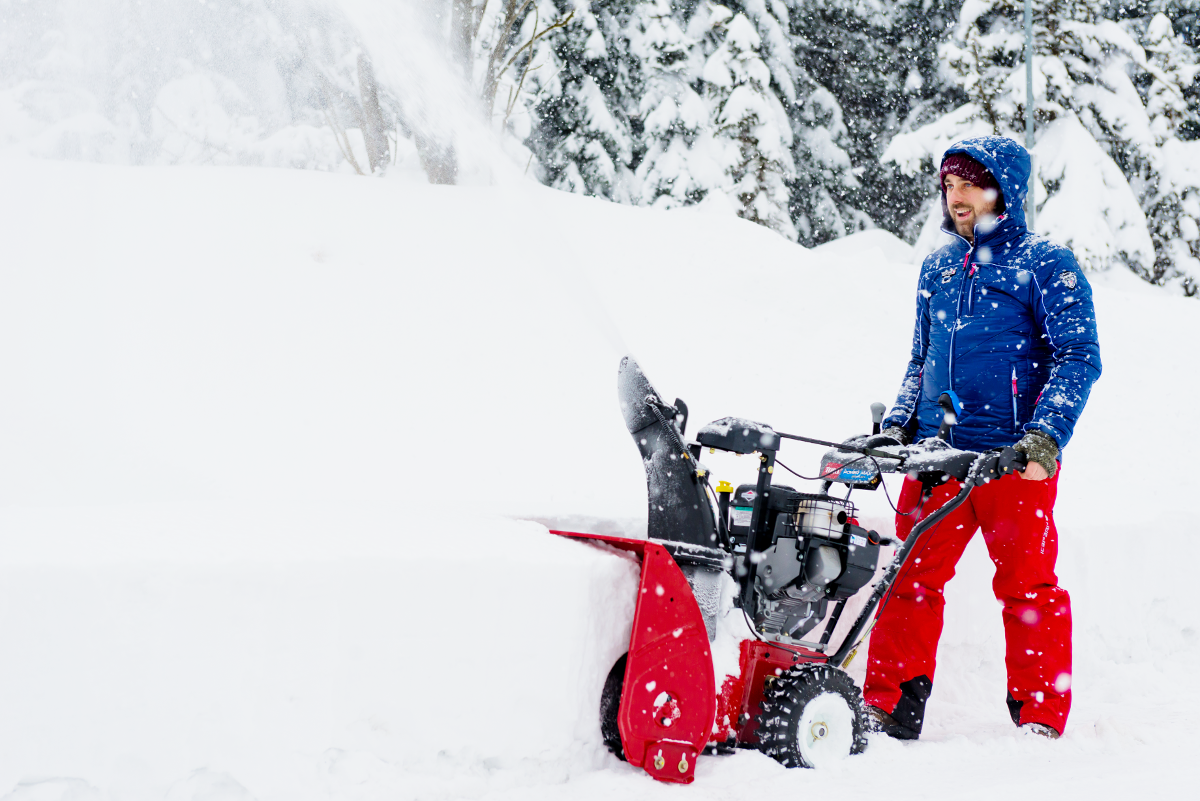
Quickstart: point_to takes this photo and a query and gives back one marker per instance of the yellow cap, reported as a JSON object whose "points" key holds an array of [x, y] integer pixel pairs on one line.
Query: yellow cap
{"points": [[724, 486]]}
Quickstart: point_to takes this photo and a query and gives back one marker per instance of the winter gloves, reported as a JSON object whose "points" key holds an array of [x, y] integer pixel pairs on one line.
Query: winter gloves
{"points": [[1040, 448], [889, 436]]}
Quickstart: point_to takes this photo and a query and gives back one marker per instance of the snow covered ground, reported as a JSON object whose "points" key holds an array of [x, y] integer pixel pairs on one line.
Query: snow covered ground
{"points": [[278, 448]]}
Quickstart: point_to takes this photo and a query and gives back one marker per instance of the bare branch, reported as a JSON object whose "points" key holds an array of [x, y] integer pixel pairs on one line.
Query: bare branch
{"points": [[339, 134], [515, 94], [480, 11], [490, 83], [494, 83], [533, 40]]}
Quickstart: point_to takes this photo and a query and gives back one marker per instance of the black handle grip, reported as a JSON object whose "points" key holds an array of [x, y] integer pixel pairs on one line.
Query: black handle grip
{"points": [[1011, 461], [949, 418]]}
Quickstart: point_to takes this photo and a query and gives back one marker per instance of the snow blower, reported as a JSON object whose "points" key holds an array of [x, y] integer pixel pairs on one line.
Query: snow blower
{"points": [[795, 560]]}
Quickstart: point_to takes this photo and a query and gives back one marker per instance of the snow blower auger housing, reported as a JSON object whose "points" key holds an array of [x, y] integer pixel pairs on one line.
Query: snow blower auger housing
{"points": [[796, 559]]}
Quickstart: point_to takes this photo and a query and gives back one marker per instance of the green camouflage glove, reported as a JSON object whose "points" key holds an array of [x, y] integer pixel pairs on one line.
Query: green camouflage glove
{"points": [[896, 433], [1040, 447], [889, 436]]}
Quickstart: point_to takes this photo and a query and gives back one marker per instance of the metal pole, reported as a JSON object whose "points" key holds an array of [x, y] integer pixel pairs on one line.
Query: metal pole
{"points": [[1031, 204]]}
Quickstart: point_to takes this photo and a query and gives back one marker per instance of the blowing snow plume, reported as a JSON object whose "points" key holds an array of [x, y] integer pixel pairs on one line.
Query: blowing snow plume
{"points": [[360, 86]]}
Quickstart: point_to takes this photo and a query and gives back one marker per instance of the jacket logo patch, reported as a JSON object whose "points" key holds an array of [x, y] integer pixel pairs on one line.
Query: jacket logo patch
{"points": [[948, 274], [1069, 280]]}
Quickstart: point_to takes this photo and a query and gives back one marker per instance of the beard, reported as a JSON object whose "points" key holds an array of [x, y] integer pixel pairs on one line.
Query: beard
{"points": [[966, 225]]}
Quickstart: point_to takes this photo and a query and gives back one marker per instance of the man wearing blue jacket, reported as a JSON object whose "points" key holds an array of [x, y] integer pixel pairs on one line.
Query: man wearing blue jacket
{"points": [[1004, 320]]}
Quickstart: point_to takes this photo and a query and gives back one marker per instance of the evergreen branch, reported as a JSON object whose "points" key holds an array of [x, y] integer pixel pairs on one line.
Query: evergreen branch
{"points": [[1164, 79]]}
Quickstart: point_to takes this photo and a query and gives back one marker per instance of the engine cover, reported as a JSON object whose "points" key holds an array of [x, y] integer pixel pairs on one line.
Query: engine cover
{"points": [[816, 555]]}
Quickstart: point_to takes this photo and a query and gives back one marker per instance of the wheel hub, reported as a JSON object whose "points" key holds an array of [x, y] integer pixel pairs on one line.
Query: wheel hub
{"points": [[825, 731]]}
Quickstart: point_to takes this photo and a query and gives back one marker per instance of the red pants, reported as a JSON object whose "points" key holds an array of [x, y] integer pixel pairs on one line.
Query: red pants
{"points": [[1018, 527]]}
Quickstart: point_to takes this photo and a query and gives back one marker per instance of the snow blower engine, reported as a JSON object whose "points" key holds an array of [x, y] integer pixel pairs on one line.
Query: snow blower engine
{"points": [[794, 560], [817, 555]]}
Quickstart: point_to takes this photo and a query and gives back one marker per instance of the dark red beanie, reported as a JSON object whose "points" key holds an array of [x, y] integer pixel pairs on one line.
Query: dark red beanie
{"points": [[968, 169]]}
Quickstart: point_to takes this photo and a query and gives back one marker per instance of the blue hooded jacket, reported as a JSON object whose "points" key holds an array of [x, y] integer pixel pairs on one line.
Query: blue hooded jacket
{"points": [[1007, 324]]}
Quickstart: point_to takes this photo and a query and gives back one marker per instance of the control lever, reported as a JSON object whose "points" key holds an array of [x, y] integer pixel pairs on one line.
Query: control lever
{"points": [[1011, 461], [681, 415], [952, 407], [877, 410]]}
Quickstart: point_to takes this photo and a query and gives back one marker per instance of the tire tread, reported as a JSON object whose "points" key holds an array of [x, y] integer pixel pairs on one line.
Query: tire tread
{"points": [[783, 704]]}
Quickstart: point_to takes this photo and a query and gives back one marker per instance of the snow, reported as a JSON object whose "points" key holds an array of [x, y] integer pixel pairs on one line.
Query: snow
{"points": [[877, 245], [274, 445], [1088, 179]]}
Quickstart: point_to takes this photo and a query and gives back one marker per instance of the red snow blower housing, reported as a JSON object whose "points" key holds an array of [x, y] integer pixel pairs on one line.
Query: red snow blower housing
{"points": [[795, 559]]}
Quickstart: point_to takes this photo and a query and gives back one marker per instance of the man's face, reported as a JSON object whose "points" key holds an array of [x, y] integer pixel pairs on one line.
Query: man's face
{"points": [[968, 203]]}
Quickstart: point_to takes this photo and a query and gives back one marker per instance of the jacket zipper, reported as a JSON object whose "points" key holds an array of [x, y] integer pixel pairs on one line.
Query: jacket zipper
{"points": [[1016, 419], [971, 296], [957, 315]]}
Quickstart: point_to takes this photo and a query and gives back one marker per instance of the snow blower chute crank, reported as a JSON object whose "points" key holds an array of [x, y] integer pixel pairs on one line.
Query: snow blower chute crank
{"points": [[796, 558]]}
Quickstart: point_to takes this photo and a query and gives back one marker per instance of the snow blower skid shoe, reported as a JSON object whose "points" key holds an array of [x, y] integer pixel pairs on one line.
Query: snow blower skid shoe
{"points": [[796, 559]]}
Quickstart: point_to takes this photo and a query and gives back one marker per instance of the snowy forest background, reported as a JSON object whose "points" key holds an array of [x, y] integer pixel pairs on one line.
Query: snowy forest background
{"points": [[813, 118]]}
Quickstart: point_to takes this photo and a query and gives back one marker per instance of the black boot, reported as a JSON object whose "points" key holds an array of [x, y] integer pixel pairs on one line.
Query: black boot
{"points": [[882, 721]]}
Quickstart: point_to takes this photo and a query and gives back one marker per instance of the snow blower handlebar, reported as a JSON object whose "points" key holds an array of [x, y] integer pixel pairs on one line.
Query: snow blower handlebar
{"points": [[841, 446], [985, 467]]}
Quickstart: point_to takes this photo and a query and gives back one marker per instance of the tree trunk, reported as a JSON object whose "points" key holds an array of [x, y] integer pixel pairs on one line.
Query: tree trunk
{"points": [[437, 158], [462, 32], [373, 127]]}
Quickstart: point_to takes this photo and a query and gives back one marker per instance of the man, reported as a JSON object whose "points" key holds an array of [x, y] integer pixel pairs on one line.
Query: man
{"points": [[1004, 320]]}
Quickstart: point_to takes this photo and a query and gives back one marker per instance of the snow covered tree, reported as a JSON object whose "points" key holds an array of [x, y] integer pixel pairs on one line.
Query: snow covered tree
{"points": [[581, 140], [677, 165], [821, 175], [623, 107], [1170, 69], [822, 193], [751, 126], [1172, 184], [1092, 126], [878, 59]]}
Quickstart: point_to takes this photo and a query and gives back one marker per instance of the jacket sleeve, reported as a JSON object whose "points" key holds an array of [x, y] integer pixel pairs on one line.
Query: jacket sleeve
{"points": [[1064, 313], [904, 410]]}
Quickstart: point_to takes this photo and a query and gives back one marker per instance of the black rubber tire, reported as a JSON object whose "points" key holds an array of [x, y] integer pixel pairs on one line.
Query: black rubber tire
{"points": [[784, 701], [610, 703]]}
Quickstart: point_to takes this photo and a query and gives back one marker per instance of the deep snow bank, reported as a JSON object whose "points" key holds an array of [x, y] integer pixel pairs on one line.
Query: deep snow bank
{"points": [[267, 436]]}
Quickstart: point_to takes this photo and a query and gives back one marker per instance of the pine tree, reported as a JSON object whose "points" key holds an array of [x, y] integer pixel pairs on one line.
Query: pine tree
{"points": [[821, 178], [1093, 131], [878, 59], [676, 167], [1171, 68], [1172, 187], [751, 126], [635, 119], [580, 138]]}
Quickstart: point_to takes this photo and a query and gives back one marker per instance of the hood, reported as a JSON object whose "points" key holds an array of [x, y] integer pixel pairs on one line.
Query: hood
{"points": [[1008, 163]]}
